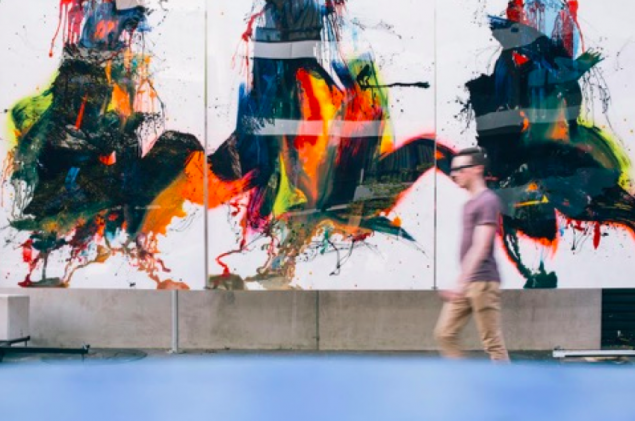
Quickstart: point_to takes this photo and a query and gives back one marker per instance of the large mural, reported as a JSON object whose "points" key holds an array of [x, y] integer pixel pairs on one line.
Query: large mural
{"points": [[318, 156]]}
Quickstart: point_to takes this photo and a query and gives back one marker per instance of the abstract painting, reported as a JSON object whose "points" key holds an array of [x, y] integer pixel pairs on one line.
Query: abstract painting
{"points": [[92, 174], [323, 159], [541, 102]]}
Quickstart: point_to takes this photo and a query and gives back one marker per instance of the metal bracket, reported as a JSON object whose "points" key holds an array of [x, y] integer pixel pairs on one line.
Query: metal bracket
{"points": [[8, 349], [563, 353], [10, 342]]}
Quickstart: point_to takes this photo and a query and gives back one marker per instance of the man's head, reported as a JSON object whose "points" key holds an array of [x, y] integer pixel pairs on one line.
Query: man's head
{"points": [[468, 167]]}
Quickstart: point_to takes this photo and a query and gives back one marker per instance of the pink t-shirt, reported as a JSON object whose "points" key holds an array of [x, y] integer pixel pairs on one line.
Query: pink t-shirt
{"points": [[484, 209]]}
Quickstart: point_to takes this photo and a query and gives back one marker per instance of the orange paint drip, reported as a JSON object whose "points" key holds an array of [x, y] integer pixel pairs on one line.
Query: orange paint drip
{"points": [[80, 115], [109, 71], [560, 131], [120, 102], [108, 159], [525, 121], [532, 187]]}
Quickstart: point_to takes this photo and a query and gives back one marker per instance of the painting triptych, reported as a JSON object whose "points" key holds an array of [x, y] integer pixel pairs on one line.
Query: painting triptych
{"points": [[307, 144]]}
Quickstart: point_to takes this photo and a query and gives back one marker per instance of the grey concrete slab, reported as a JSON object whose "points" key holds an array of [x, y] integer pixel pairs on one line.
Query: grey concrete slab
{"points": [[545, 319], [378, 320], [100, 318], [14, 316], [405, 320], [248, 320]]}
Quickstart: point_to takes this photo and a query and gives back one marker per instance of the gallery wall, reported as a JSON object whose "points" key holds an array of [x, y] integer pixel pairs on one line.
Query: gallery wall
{"points": [[306, 144]]}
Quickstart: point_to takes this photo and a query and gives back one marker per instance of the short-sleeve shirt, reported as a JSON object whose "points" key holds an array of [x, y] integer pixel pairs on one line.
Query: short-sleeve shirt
{"points": [[484, 209]]}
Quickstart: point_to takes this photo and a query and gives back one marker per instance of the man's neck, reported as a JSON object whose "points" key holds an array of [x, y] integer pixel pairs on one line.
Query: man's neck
{"points": [[477, 188]]}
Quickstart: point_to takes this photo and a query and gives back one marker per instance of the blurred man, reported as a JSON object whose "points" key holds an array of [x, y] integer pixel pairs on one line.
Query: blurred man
{"points": [[478, 288]]}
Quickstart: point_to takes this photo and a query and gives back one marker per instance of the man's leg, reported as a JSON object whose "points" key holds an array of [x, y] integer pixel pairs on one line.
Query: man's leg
{"points": [[453, 318], [485, 298]]}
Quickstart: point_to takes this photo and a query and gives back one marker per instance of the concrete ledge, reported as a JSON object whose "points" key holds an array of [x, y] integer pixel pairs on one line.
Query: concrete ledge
{"points": [[14, 316], [545, 319], [405, 320], [101, 318], [248, 320], [382, 321], [300, 320]]}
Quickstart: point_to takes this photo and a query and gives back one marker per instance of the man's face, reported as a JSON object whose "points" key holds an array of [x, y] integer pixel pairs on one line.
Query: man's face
{"points": [[463, 171]]}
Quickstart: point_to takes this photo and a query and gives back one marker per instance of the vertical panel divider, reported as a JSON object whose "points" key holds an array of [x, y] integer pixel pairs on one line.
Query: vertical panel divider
{"points": [[175, 321], [436, 142], [206, 146]]}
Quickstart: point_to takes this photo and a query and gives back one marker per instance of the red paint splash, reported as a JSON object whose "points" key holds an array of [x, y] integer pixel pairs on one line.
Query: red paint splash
{"points": [[70, 18], [248, 34], [27, 251], [567, 27], [312, 110], [31, 260], [240, 249], [250, 26], [516, 11], [597, 235], [80, 115], [108, 159]]}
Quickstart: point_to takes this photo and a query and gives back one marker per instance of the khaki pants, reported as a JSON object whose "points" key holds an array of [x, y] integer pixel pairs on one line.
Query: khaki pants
{"points": [[483, 300]]}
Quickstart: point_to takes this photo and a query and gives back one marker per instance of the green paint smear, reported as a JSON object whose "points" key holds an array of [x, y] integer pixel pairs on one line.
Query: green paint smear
{"points": [[26, 112], [605, 149]]}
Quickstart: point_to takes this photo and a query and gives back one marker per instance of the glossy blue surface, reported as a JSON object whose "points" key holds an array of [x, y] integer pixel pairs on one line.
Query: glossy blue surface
{"points": [[315, 387]]}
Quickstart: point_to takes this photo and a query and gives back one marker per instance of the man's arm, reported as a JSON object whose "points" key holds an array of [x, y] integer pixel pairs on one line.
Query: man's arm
{"points": [[482, 241]]}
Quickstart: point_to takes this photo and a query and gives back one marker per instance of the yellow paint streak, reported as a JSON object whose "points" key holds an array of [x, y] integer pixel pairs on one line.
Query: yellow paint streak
{"points": [[532, 202], [288, 196]]}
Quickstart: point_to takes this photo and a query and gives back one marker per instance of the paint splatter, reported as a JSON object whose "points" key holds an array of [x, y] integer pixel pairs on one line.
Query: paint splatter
{"points": [[314, 135], [545, 158]]}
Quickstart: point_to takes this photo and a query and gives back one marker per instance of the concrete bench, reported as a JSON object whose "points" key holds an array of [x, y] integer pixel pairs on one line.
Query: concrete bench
{"points": [[14, 317]]}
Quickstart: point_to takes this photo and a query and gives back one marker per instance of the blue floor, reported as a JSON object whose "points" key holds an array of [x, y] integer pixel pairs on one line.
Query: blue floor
{"points": [[314, 387]]}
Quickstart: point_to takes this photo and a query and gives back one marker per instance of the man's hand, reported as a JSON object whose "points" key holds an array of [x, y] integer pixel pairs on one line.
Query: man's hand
{"points": [[454, 294], [451, 295]]}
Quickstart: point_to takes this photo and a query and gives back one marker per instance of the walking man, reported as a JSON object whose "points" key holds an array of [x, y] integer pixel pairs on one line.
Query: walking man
{"points": [[478, 288]]}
